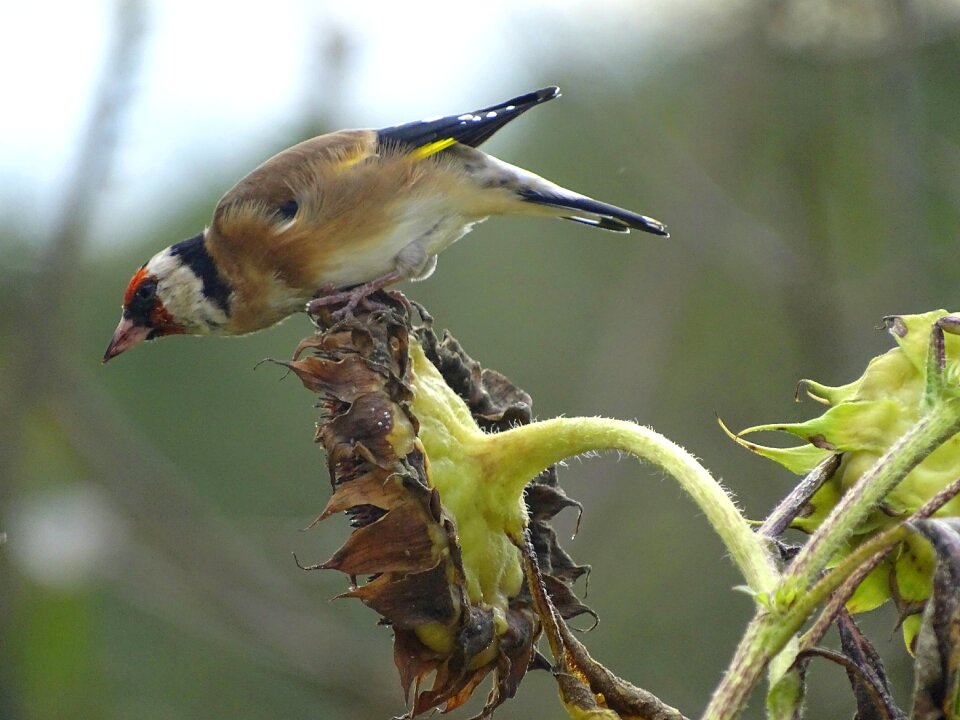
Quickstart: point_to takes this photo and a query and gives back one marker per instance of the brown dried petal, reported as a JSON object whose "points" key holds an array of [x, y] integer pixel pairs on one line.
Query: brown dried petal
{"points": [[413, 659], [371, 488], [449, 690], [412, 599], [344, 378], [374, 424], [400, 541]]}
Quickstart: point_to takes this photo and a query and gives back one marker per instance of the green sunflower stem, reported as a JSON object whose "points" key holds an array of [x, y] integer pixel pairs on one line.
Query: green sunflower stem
{"points": [[767, 640], [542, 444], [766, 636]]}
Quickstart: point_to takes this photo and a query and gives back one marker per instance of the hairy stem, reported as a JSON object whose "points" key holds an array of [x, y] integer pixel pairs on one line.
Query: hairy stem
{"points": [[770, 631], [544, 443], [931, 431]]}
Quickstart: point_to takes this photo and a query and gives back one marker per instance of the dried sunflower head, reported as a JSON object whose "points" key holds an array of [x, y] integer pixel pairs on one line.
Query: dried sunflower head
{"points": [[435, 548]]}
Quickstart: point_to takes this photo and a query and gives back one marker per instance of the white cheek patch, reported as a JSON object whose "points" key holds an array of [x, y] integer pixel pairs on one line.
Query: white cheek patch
{"points": [[181, 292]]}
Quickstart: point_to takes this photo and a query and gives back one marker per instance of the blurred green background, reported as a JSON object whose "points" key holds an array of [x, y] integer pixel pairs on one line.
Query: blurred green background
{"points": [[804, 153]]}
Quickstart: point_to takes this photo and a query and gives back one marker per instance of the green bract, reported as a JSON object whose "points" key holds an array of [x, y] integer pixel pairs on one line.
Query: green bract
{"points": [[863, 420]]}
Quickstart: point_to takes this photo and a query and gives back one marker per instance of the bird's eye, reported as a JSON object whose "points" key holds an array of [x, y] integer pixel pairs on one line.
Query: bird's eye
{"points": [[287, 210], [147, 290]]}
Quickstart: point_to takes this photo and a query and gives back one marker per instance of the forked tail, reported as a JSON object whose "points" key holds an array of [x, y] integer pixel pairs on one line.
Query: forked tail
{"points": [[593, 212]]}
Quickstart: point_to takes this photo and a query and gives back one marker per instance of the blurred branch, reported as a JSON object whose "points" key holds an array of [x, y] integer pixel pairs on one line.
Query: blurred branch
{"points": [[98, 151], [38, 318], [45, 307], [179, 550]]}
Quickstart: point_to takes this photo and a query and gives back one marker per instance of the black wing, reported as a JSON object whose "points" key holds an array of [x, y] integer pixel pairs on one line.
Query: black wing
{"points": [[471, 128]]}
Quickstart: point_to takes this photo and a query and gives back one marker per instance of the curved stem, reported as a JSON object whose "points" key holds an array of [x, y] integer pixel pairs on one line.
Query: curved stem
{"points": [[544, 443]]}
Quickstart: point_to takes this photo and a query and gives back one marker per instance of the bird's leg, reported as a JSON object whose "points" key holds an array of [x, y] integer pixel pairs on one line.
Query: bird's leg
{"points": [[354, 295]]}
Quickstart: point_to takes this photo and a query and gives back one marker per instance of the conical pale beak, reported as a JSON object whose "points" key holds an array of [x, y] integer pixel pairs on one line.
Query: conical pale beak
{"points": [[125, 337]]}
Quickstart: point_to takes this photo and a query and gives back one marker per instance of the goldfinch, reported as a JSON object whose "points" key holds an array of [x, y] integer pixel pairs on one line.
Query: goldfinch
{"points": [[351, 211]]}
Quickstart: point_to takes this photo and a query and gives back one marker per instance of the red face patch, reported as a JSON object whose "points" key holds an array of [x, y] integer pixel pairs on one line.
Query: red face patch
{"points": [[142, 306], [135, 281], [162, 321]]}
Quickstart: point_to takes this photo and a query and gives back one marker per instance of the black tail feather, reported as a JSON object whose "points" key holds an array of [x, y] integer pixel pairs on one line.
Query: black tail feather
{"points": [[599, 214], [471, 128], [604, 223]]}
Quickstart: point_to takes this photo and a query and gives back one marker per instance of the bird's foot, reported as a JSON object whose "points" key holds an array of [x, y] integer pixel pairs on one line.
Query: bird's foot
{"points": [[329, 295], [352, 298]]}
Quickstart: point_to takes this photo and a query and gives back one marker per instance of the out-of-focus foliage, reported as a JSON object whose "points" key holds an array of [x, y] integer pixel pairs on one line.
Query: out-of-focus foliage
{"points": [[805, 156]]}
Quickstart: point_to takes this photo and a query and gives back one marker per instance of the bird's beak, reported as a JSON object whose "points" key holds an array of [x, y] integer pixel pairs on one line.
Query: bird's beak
{"points": [[125, 337]]}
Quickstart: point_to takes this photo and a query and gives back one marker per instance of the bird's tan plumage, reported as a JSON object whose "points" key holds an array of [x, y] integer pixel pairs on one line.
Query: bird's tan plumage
{"points": [[351, 208], [350, 198]]}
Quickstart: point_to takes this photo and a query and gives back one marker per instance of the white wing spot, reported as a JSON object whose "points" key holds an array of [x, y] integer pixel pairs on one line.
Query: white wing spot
{"points": [[508, 108], [491, 114]]}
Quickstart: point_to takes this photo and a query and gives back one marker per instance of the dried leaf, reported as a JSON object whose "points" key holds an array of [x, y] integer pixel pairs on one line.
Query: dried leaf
{"points": [[937, 692], [547, 500], [409, 600], [566, 603], [587, 688], [869, 680], [400, 541]]}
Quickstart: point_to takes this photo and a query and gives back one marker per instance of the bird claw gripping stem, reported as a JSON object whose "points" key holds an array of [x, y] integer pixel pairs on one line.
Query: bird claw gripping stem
{"points": [[351, 298]]}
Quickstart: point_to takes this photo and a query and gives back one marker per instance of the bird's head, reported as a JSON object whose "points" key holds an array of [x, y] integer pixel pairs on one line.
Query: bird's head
{"points": [[178, 292]]}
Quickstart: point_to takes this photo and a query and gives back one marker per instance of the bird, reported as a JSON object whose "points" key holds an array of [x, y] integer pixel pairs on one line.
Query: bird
{"points": [[339, 216]]}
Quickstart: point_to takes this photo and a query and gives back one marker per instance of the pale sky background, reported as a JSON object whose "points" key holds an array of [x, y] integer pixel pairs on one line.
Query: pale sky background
{"points": [[226, 81]]}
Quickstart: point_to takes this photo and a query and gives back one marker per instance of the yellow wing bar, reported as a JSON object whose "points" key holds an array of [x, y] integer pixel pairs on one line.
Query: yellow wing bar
{"points": [[425, 151]]}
